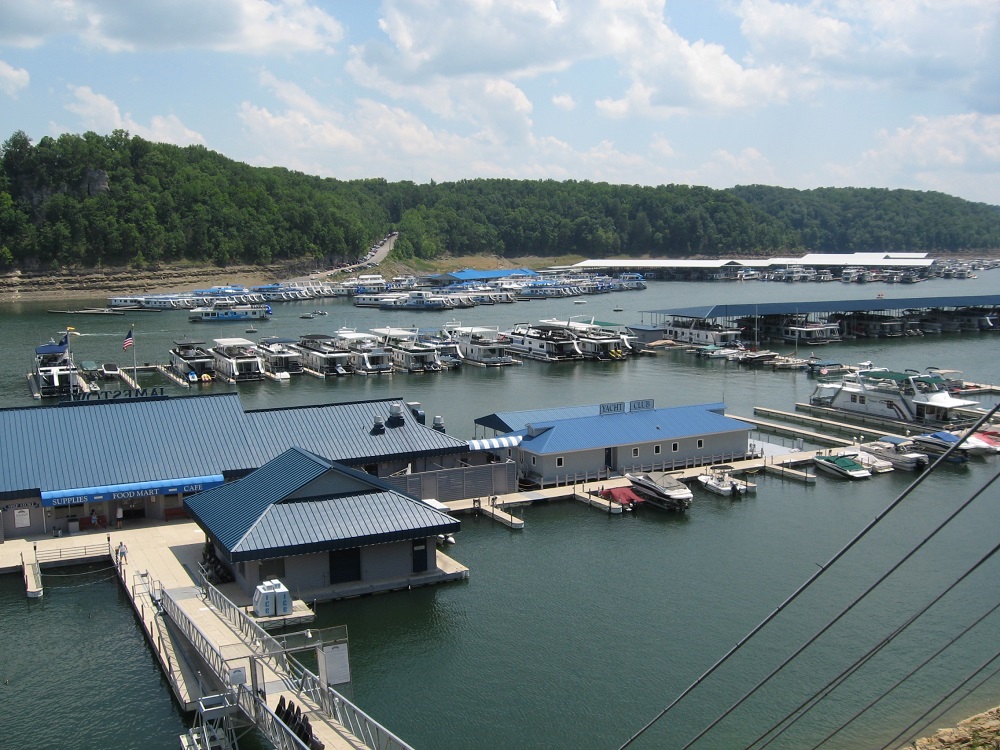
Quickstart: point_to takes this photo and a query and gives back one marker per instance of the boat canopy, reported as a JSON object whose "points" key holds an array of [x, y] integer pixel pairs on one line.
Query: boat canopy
{"points": [[490, 444]]}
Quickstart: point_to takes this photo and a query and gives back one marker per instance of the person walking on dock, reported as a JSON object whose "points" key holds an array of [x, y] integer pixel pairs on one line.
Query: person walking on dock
{"points": [[122, 553]]}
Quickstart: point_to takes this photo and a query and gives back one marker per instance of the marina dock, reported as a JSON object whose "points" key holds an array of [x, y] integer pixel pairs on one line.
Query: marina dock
{"points": [[217, 658]]}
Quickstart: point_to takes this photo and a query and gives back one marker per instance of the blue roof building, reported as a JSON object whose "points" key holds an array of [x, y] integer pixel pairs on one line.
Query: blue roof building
{"points": [[573, 444], [326, 530]]}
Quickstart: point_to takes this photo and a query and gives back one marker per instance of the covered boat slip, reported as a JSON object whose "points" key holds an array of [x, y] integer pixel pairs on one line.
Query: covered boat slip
{"points": [[731, 313]]}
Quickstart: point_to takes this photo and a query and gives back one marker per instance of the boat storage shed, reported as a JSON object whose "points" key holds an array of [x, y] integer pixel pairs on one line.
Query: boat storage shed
{"points": [[326, 530], [563, 446]]}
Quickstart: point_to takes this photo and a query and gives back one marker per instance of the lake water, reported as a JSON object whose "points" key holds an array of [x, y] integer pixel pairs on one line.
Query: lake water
{"points": [[580, 628]]}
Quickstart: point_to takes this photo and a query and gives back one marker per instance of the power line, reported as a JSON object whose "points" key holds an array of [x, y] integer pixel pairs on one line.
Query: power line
{"points": [[798, 592]]}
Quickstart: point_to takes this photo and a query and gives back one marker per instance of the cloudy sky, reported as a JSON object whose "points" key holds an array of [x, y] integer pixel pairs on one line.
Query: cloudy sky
{"points": [[870, 93]]}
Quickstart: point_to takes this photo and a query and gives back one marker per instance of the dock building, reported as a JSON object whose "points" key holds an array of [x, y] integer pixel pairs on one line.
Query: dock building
{"points": [[582, 443], [325, 530], [66, 465]]}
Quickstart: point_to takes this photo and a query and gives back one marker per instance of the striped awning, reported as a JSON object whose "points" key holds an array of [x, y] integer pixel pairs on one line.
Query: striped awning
{"points": [[492, 444]]}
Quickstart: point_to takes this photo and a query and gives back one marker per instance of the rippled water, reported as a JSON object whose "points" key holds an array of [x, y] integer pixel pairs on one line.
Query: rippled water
{"points": [[578, 629]]}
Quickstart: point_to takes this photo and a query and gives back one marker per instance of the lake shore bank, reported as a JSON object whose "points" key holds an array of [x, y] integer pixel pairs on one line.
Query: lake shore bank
{"points": [[979, 731]]}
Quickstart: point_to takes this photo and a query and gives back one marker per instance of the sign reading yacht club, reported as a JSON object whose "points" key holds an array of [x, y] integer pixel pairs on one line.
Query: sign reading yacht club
{"points": [[620, 407]]}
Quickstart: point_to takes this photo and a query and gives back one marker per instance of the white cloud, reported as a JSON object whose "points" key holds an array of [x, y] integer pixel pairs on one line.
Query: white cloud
{"points": [[99, 113], [936, 153], [253, 27], [12, 79], [564, 102]]}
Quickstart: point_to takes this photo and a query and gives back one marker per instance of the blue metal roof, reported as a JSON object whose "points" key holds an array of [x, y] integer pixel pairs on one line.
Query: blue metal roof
{"points": [[472, 274], [841, 305], [630, 428], [509, 421], [300, 503], [101, 444]]}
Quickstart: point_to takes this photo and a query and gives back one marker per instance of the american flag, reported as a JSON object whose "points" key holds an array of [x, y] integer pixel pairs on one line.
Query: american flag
{"points": [[127, 343]]}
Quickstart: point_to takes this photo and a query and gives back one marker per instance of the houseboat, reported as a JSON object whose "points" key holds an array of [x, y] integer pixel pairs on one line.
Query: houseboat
{"points": [[595, 341], [417, 299], [227, 311], [480, 345], [237, 360], [280, 359], [544, 342], [686, 330], [906, 397], [366, 355], [54, 374], [191, 361], [322, 357], [406, 351]]}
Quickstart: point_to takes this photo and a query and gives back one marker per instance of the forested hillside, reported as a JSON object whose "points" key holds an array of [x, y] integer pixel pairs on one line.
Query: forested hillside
{"points": [[96, 201]]}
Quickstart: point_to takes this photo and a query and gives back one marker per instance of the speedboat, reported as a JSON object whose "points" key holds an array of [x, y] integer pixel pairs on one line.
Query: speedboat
{"points": [[624, 496], [720, 481], [938, 443], [661, 489], [841, 466], [875, 464], [902, 453]]}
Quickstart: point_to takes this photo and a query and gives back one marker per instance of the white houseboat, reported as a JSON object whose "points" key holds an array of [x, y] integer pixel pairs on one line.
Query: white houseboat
{"points": [[686, 330], [594, 340], [322, 357], [544, 342], [906, 397], [406, 351], [366, 355], [227, 311], [237, 360], [480, 345], [55, 375], [281, 360]]}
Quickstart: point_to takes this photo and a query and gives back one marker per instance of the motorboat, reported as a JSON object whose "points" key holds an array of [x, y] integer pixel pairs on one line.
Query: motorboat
{"points": [[719, 480], [902, 453], [977, 444], [941, 442], [624, 496], [875, 464], [841, 466], [661, 489]]}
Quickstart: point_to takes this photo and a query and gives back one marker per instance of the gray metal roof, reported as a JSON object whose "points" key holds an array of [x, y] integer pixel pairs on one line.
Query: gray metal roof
{"points": [[120, 442], [841, 305], [510, 421], [269, 513], [114, 443]]}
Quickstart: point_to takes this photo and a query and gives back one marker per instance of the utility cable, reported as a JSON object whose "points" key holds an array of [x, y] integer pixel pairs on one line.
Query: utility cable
{"points": [[923, 717], [802, 588], [908, 675], [843, 675]]}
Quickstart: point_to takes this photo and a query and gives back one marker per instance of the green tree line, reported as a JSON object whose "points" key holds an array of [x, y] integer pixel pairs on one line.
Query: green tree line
{"points": [[91, 200]]}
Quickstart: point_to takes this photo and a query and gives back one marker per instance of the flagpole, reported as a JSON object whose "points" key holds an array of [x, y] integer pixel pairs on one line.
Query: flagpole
{"points": [[69, 363], [135, 366]]}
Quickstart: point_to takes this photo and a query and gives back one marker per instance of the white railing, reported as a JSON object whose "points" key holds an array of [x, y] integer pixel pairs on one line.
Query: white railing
{"points": [[203, 645], [70, 554], [332, 703]]}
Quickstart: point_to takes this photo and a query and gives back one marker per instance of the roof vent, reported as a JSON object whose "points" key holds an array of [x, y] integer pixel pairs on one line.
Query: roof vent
{"points": [[379, 426], [395, 414], [438, 424], [416, 411]]}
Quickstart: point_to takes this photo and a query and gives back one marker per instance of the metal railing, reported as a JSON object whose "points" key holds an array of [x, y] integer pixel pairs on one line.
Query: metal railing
{"points": [[202, 644], [70, 554], [329, 701], [352, 718], [279, 733]]}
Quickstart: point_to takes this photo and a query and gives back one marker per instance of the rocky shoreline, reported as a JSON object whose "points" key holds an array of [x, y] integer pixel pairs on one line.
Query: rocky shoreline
{"points": [[91, 283], [977, 732]]}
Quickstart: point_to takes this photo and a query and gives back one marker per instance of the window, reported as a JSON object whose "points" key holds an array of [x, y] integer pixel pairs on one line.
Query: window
{"points": [[532, 460], [675, 447], [635, 453], [701, 443], [273, 568], [559, 462], [656, 450]]}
